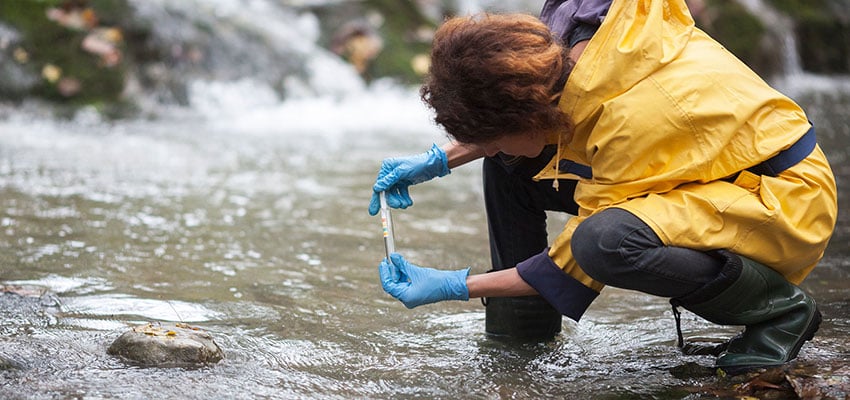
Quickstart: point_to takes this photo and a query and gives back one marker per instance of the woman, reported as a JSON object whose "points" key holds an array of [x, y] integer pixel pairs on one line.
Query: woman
{"points": [[690, 178]]}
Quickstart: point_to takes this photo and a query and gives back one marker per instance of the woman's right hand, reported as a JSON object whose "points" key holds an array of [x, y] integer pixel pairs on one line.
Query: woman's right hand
{"points": [[397, 174]]}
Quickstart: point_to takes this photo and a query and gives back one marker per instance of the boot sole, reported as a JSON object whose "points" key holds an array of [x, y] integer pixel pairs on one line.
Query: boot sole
{"points": [[807, 335]]}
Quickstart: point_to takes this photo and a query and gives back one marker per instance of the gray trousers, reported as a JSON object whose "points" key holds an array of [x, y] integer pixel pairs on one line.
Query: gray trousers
{"points": [[618, 249]]}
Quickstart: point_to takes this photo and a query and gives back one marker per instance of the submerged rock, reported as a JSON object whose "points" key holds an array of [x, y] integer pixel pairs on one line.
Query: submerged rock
{"points": [[7, 364], [165, 345], [24, 310]]}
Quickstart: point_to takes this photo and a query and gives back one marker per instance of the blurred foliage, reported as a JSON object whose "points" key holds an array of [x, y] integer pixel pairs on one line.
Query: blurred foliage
{"points": [[738, 30], [49, 43], [403, 30], [823, 31], [49, 50], [805, 10], [402, 37]]}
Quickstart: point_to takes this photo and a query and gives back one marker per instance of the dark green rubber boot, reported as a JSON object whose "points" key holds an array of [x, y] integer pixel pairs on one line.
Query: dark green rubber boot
{"points": [[778, 316], [529, 318]]}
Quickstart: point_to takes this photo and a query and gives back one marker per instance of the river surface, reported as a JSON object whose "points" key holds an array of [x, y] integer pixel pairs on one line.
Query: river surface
{"points": [[251, 224]]}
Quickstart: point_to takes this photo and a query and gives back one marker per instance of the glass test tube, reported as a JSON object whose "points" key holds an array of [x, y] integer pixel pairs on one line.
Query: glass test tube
{"points": [[387, 224]]}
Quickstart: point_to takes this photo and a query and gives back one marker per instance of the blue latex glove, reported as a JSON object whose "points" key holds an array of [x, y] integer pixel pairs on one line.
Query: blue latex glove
{"points": [[415, 286], [397, 174]]}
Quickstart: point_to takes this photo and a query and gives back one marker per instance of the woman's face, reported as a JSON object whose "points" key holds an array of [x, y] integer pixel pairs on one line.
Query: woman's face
{"points": [[528, 145]]}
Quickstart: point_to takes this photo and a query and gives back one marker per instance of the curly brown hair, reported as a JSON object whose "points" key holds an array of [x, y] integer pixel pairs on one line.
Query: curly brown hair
{"points": [[494, 75]]}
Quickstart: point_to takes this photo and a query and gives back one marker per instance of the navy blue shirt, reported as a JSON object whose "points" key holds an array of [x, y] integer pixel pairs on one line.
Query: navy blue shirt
{"points": [[574, 20]]}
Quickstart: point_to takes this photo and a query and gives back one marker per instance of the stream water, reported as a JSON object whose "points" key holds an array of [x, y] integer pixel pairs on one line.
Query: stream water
{"points": [[255, 229], [248, 219]]}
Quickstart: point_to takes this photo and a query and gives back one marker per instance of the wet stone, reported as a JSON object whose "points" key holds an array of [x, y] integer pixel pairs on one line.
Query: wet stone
{"points": [[24, 310], [166, 345], [7, 364]]}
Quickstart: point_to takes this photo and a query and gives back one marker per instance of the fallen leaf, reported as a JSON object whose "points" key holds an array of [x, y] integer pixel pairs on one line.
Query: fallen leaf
{"points": [[51, 72], [758, 383], [21, 55], [75, 18], [69, 86]]}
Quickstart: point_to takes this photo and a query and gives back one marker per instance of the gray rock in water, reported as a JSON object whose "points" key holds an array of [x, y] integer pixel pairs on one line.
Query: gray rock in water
{"points": [[7, 364], [166, 345], [25, 309]]}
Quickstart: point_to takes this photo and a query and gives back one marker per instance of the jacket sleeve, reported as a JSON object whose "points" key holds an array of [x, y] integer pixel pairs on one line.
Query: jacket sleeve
{"points": [[574, 20], [566, 294], [556, 276]]}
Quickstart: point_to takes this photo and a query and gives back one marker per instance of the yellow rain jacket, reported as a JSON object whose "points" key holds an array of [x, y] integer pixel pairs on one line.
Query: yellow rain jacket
{"points": [[662, 114]]}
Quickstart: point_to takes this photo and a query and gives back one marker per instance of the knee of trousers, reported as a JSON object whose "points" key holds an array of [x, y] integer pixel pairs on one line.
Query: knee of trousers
{"points": [[599, 244]]}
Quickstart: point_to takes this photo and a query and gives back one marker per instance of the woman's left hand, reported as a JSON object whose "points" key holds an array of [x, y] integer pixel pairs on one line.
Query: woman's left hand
{"points": [[415, 286]]}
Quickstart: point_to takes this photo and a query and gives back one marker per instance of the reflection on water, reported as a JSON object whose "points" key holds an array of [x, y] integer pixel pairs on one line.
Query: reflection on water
{"points": [[259, 234]]}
